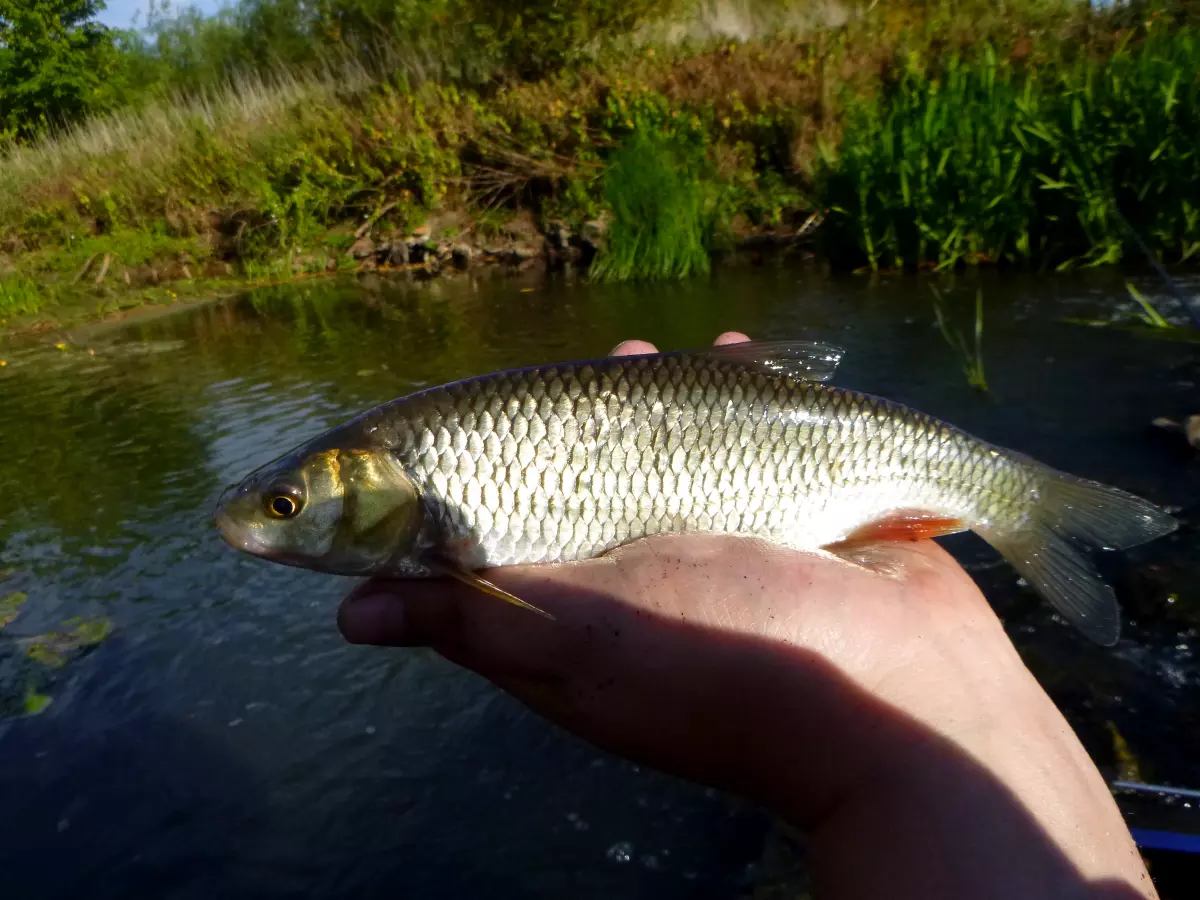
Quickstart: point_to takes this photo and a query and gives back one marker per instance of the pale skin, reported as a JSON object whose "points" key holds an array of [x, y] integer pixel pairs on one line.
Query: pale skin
{"points": [[874, 702]]}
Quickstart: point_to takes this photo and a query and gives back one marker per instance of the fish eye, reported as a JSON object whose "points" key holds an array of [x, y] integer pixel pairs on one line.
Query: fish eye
{"points": [[283, 503]]}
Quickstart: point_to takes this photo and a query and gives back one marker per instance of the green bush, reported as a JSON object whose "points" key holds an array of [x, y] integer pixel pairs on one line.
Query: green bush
{"points": [[56, 64], [661, 205]]}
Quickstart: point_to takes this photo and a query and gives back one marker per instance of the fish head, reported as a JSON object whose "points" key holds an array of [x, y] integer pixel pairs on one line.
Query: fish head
{"points": [[346, 512]]}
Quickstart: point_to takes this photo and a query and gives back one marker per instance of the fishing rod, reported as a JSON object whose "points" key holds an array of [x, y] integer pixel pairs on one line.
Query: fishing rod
{"points": [[1161, 839]]}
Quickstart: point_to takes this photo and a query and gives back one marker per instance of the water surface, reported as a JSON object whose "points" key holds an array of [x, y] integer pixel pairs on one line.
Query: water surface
{"points": [[224, 741]]}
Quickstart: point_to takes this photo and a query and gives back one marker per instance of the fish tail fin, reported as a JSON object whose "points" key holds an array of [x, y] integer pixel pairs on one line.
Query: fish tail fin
{"points": [[1049, 548]]}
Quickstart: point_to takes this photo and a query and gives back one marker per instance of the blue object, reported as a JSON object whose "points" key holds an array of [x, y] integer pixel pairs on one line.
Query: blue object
{"points": [[1150, 839]]}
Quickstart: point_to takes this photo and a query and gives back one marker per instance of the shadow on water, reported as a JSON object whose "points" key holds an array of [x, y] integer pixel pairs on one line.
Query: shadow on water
{"points": [[145, 805], [225, 740], [138, 799], [99, 803]]}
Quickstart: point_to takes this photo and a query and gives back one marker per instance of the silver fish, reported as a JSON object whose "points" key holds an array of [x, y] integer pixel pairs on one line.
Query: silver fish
{"points": [[567, 461]]}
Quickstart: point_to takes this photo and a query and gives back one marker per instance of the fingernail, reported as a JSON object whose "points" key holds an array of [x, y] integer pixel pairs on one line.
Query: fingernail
{"points": [[632, 347], [731, 337]]}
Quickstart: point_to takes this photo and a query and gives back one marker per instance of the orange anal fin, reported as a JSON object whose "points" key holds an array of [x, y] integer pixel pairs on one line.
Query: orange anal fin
{"points": [[903, 525]]}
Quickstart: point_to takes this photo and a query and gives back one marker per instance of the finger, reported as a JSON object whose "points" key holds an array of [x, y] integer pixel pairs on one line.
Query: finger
{"points": [[471, 628], [633, 348], [731, 337]]}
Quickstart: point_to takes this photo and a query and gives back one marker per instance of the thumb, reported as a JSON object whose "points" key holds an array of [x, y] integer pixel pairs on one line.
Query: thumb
{"points": [[473, 629]]}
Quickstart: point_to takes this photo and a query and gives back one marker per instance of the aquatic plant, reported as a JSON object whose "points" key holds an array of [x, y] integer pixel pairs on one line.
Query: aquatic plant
{"points": [[10, 607], [27, 663], [931, 172], [970, 357], [1149, 313]]}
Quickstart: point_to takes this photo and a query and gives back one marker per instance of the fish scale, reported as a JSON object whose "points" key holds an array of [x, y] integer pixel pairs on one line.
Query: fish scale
{"points": [[565, 462], [572, 462]]}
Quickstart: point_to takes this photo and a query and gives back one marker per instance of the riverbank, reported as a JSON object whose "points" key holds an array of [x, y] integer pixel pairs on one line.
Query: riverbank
{"points": [[106, 288], [917, 135]]}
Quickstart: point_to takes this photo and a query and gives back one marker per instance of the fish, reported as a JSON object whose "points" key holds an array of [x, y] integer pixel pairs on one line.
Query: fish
{"points": [[567, 461]]}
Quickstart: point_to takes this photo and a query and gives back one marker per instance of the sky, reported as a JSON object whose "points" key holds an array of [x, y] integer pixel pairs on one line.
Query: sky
{"points": [[120, 13]]}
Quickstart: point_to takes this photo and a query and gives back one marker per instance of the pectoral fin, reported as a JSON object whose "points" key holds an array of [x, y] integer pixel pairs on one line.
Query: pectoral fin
{"points": [[482, 584]]}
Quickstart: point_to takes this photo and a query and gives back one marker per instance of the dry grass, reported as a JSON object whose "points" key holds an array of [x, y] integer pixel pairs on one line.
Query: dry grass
{"points": [[147, 143]]}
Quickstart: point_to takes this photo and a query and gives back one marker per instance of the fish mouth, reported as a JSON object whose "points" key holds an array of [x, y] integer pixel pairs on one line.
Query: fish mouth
{"points": [[239, 538], [235, 534]]}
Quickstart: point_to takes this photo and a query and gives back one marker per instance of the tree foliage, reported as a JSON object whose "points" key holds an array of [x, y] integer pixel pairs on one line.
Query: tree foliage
{"points": [[56, 64]]}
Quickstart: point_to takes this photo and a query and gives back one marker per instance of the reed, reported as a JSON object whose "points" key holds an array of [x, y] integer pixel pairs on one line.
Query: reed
{"points": [[659, 203], [993, 159]]}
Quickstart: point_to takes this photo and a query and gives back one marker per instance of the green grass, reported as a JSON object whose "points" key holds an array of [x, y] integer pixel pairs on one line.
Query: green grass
{"points": [[658, 200], [21, 296]]}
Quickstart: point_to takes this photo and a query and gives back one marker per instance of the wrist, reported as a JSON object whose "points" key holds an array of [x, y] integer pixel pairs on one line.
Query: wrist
{"points": [[1001, 800], [855, 727]]}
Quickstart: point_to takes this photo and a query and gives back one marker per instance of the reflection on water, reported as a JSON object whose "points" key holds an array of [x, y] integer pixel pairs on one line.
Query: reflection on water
{"points": [[225, 739]]}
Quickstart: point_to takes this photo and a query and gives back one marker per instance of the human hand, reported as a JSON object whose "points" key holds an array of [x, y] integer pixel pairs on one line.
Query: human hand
{"points": [[831, 690]]}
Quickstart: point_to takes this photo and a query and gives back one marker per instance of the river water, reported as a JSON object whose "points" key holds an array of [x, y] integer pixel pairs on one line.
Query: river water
{"points": [[224, 741]]}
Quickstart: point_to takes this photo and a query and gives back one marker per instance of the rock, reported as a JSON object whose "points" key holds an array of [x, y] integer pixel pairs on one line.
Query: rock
{"points": [[462, 254], [522, 253], [522, 228], [362, 248], [558, 235], [398, 254], [417, 251]]}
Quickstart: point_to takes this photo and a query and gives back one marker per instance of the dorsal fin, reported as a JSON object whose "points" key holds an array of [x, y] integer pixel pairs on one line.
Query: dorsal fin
{"points": [[802, 360]]}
